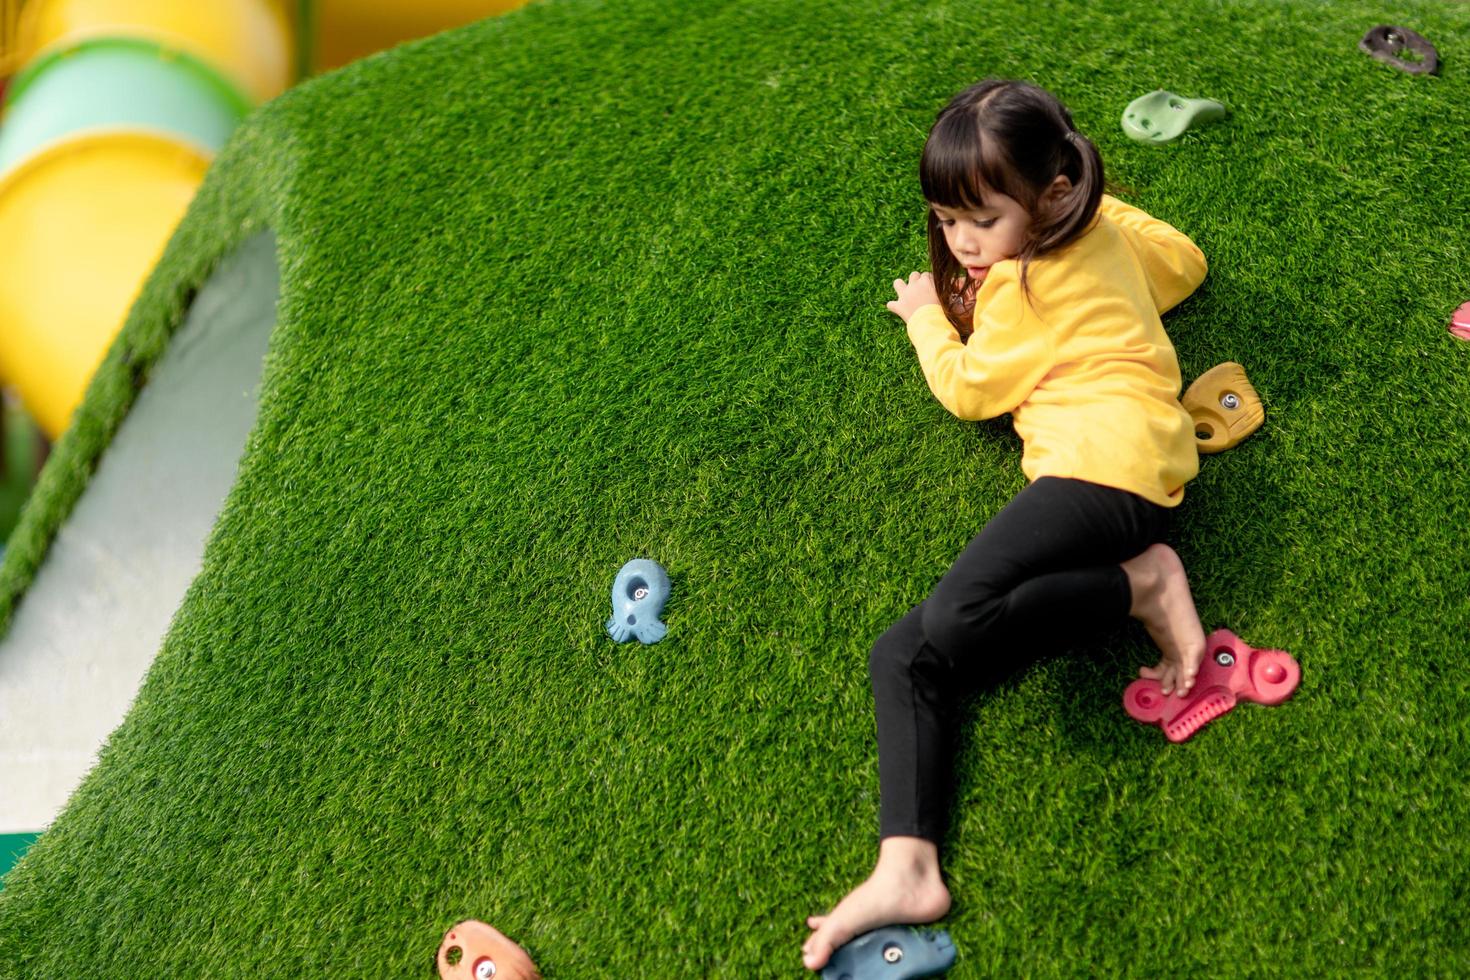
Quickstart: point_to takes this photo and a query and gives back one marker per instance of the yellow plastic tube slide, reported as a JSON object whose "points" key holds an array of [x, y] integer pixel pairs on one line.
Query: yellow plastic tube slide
{"points": [[94, 214], [248, 42]]}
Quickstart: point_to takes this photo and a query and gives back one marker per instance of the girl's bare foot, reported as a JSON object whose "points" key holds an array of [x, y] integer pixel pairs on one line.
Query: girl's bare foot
{"points": [[905, 887], [1161, 601]]}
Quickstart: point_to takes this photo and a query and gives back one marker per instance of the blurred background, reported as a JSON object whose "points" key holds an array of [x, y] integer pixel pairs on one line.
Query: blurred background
{"points": [[110, 113]]}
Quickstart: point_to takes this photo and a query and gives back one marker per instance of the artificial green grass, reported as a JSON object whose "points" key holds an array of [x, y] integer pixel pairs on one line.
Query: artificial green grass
{"points": [[20, 442], [598, 280]]}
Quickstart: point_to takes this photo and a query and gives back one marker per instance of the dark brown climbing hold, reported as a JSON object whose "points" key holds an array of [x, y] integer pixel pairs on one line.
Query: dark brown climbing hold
{"points": [[1388, 44]]}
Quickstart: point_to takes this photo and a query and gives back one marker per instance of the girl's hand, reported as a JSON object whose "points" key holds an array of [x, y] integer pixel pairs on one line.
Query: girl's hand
{"points": [[918, 291]]}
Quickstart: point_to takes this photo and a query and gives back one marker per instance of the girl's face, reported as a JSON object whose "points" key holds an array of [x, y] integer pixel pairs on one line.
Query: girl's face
{"points": [[980, 237]]}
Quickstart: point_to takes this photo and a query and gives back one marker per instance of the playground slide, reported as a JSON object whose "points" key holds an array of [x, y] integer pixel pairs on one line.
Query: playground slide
{"points": [[109, 126], [85, 635], [247, 42], [108, 130], [346, 30]]}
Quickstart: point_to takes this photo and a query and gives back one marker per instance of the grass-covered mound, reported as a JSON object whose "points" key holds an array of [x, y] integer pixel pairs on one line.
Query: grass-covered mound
{"points": [[598, 280]]}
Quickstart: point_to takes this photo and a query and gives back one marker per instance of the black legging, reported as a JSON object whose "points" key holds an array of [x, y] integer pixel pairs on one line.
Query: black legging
{"points": [[1043, 574]]}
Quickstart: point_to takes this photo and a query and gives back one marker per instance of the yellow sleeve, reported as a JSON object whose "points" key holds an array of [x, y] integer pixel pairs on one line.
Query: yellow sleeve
{"points": [[1174, 265], [1007, 356]]}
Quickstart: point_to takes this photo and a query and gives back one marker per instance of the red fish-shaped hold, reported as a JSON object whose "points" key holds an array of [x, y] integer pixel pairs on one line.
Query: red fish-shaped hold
{"points": [[1231, 672]]}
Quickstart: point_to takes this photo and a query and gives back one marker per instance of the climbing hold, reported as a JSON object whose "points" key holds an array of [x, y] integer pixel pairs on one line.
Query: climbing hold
{"points": [[1231, 672], [1224, 406], [472, 950], [1460, 322], [638, 595], [1402, 48], [891, 953], [1161, 116]]}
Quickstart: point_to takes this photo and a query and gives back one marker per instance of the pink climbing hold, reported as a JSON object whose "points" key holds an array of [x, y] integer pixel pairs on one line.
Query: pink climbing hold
{"points": [[1231, 672], [1460, 322]]}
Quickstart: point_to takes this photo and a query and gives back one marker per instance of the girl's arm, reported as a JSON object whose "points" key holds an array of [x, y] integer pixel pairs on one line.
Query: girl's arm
{"points": [[1175, 266], [1006, 357]]}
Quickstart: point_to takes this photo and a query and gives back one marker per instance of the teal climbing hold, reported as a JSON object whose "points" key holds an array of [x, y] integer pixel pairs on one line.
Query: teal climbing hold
{"points": [[1161, 116]]}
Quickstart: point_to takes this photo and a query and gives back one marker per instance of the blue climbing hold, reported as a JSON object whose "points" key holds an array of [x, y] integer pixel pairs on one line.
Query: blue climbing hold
{"points": [[638, 596], [891, 953]]}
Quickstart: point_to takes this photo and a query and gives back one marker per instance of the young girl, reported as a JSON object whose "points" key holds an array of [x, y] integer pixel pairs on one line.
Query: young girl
{"points": [[1063, 286]]}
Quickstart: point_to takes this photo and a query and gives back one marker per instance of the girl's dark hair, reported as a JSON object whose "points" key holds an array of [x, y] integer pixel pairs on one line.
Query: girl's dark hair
{"points": [[1013, 138]]}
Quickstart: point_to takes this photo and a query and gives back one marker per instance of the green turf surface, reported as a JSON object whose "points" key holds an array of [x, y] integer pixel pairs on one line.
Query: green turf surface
{"points": [[598, 280], [20, 444]]}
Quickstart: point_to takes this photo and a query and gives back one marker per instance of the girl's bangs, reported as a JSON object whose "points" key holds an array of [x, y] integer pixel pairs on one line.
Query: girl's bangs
{"points": [[952, 168]]}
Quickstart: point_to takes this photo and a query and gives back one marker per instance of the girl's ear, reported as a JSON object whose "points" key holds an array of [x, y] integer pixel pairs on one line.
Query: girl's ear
{"points": [[1060, 186]]}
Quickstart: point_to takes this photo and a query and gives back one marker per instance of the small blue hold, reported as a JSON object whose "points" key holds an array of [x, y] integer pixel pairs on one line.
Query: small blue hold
{"points": [[891, 953], [638, 596]]}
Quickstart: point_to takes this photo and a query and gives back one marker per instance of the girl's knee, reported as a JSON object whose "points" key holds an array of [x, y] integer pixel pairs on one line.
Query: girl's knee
{"points": [[895, 650], [887, 660], [943, 624], [897, 667], [953, 627]]}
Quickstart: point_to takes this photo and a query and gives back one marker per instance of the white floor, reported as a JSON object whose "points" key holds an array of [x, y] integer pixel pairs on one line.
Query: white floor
{"points": [[85, 633]]}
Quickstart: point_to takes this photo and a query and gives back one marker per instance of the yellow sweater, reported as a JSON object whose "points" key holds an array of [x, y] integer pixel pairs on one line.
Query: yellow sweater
{"points": [[1087, 372]]}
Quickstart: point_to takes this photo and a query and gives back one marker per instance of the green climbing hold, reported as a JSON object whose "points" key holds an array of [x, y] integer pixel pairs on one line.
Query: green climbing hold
{"points": [[1161, 116]]}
